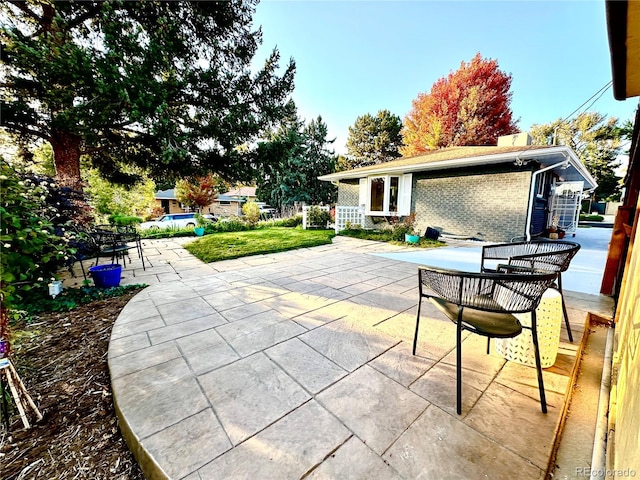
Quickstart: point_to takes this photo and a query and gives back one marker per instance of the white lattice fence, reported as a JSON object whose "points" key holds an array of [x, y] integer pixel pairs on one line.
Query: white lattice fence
{"points": [[305, 214], [351, 215]]}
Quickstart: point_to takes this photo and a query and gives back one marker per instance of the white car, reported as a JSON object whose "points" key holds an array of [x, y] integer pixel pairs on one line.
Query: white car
{"points": [[266, 210], [175, 220]]}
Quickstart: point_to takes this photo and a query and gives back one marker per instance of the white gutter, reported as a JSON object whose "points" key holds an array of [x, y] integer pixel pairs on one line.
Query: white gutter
{"points": [[599, 457], [532, 192]]}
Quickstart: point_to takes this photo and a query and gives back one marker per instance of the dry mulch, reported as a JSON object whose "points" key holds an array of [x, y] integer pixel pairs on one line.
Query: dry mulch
{"points": [[63, 364]]}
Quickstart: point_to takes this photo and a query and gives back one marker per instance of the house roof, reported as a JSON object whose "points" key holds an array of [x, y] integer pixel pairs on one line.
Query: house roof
{"points": [[227, 198], [623, 22], [570, 168], [166, 194], [241, 192]]}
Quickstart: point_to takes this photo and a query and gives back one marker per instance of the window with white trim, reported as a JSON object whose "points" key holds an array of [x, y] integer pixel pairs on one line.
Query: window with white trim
{"points": [[385, 195]]}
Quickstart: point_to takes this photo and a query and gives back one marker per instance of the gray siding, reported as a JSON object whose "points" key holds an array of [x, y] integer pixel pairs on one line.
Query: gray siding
{"points": [[489, 206]]}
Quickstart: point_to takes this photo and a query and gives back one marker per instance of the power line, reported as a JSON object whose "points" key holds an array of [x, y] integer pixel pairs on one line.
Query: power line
{"points": [[600, 92]]}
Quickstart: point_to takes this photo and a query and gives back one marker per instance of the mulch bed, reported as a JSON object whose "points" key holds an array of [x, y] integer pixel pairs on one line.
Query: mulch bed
{"points": [[63, 364]]}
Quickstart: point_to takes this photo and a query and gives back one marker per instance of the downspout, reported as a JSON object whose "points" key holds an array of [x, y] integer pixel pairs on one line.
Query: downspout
{"points": [[532, 193]]}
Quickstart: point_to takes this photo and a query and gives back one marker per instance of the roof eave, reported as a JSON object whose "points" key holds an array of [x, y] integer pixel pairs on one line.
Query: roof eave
{"points": [[562, 152]]}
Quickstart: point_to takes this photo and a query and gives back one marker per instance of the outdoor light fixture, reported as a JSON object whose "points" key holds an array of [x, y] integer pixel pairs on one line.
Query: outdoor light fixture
{"points": [[55, 288]]}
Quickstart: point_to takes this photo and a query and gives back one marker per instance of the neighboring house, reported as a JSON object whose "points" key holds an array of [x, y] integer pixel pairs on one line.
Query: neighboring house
{"points": [[495, 193], [166, 200], [230, 203], [225, 205], [248, 193]]}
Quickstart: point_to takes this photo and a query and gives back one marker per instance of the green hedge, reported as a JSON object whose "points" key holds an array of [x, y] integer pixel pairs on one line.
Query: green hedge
{"points": [[591, 218]]}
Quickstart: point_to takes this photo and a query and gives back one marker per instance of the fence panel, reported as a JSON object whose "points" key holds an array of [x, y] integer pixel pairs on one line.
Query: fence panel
{"points": [[351, 215]]}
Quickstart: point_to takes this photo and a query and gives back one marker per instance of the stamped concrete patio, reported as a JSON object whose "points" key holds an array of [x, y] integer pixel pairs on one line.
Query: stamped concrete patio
{"points": [[298, 365]]}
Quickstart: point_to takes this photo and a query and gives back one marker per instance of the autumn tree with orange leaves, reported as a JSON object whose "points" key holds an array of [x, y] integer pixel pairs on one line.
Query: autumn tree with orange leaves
{"points": [[198, 192], [470, 106]]}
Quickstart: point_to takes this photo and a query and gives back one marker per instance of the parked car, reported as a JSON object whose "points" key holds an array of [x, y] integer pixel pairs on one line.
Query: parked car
{"points": [[266, 210], [175, 220]]}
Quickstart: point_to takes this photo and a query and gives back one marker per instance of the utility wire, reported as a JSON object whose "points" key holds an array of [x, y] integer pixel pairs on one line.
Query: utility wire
{"points": [[600, 92]]}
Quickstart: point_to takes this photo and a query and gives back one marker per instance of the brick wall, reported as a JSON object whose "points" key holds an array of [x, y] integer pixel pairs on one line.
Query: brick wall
{"points": [[491, 206]]}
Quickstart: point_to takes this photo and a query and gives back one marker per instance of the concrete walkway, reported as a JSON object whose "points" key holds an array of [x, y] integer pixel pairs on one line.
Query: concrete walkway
{"points": [[298, 365]]}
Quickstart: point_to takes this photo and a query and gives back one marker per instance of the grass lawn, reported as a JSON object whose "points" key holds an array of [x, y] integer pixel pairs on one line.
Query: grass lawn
{"points": [[228, 245]]}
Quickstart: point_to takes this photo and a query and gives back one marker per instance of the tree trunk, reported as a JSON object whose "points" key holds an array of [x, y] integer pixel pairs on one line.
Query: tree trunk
{"points": [[66, 159]]}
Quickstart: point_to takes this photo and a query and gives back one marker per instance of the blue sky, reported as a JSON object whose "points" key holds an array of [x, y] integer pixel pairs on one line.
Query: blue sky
{"points": [[358, 57]]}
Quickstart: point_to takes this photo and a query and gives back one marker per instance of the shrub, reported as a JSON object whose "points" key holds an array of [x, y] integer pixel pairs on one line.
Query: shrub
{"points": [[398, 228], [33, 210], [591, 218], [251, 212], [318, 217], [231, 224], [288, 222], [123, 220]]}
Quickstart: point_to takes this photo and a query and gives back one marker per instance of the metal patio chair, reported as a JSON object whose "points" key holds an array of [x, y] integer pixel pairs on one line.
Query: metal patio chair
{"points": [[551, 256], [129, 234], [484, 303]]}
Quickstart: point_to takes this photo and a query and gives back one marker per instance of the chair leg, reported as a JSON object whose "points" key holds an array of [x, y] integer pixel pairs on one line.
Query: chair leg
{"points": [[564, 308], [536, 349], [459, 362], [488, 345], [139, 245], [415, 336]]}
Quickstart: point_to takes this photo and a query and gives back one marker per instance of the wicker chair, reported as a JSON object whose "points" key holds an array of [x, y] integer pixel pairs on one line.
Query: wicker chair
{"points": [[539, 256], [484, 303]]}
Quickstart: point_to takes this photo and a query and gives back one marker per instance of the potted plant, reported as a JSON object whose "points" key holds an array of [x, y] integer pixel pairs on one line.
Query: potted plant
{"points": [[410, 235], [201, 222]]}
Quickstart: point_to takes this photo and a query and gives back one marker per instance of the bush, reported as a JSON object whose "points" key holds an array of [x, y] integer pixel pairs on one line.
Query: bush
{"points": [[398, 228], [318, 217], [251, 212], [232, 224], [591, 218], [33, 235], [124, 220], [288, 222]]}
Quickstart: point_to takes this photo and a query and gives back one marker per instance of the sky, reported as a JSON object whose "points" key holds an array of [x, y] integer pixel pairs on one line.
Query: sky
{"points": [[358, 57]]}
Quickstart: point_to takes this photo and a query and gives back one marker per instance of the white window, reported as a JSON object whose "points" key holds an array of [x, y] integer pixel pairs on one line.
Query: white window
{"points": [[386, 195]]}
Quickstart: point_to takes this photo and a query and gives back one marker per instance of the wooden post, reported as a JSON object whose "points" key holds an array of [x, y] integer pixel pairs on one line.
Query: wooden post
{"points": [[21, 397], [617, 249]]}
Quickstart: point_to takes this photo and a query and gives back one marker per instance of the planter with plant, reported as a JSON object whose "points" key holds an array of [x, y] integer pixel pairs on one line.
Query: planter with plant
{"points": [[405, 229], [201, 223]]}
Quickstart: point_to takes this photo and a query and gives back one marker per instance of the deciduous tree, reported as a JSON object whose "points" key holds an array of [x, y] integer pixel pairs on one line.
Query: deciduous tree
{"points": [[166, 86], [374, 139], [470, 106], [596, 140], [197, 192]]}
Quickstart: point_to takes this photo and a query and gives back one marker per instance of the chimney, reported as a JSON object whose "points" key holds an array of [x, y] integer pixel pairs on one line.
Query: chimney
{"points": [[516, 140]]}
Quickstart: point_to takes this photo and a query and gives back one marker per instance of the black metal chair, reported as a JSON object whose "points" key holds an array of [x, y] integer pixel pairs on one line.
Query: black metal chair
{"points": [[129, 234], [550, 256], [110, 244], [484, 303]]}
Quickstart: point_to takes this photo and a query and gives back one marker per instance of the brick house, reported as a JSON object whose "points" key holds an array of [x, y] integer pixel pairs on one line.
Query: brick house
{"points": [[225, 205], [493, 193]]}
